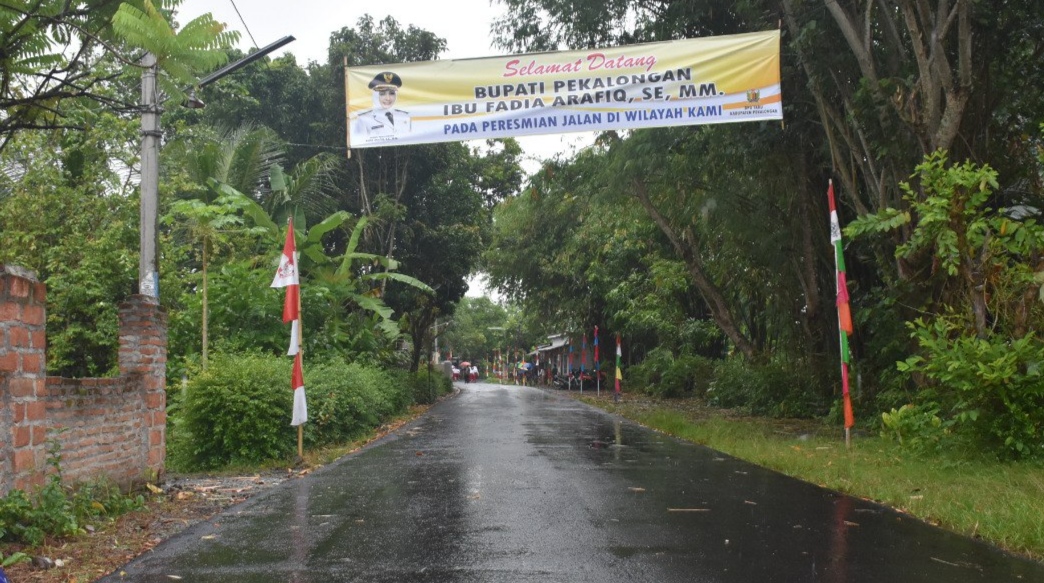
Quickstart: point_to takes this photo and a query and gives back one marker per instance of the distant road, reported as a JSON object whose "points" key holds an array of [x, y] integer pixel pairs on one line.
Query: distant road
{"points": [[517, 484]]}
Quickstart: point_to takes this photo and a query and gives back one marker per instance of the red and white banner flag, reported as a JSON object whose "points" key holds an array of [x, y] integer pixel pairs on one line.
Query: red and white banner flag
{"points": [[287, 276], [297, 384]]}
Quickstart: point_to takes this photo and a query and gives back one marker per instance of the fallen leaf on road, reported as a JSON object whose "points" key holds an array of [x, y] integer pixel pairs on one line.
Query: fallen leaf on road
{"points": [[634, 489], [688, 510]]}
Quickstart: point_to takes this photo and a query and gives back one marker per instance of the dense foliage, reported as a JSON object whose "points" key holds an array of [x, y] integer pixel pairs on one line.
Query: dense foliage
{"points": [[712, 242], [237, 411]]}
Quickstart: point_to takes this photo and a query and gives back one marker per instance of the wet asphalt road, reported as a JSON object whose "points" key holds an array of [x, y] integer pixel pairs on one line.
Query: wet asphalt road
{"points": [[518, 484]]}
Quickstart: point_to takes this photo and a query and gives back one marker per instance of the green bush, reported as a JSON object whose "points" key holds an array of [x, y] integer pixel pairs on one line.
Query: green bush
{"points": [[237, 412], [648, 375], [665, 376], [993, 387], [347, 399], [773, 389], [915, 427], [688, 375]]}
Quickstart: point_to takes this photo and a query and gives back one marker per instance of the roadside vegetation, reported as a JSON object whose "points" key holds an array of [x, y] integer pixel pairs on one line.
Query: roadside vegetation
{"points": [[999, 502], [706, 249]]}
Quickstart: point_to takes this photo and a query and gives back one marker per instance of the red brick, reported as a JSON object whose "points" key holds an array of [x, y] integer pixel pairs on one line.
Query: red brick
{"points": [[18, 410], [9, 361], [21, 387], [39, 339], [24, 460], [22, 436], [18, 337], [10, 312], [33, 363], [39, 435], [36, 411], [40, 292], [34, 315], [20, 287]]}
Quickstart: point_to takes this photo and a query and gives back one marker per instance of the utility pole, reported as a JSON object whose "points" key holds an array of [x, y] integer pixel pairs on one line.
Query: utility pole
{"points": [[151, 108], [148, 275]]}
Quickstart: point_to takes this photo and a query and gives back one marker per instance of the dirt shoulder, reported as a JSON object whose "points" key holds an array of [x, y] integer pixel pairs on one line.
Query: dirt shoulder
{"points": [[181, 502]]}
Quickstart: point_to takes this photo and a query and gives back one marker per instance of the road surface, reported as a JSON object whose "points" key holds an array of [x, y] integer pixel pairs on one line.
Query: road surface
{"points": [[519, 484]]}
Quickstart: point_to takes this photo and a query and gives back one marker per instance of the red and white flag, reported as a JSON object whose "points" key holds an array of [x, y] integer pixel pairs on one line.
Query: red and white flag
{"points": [[287, 276], [297, 384]]}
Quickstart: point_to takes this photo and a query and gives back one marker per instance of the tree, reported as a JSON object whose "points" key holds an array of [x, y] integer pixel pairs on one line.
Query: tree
{"points": [[70, 217], [51, 52]]}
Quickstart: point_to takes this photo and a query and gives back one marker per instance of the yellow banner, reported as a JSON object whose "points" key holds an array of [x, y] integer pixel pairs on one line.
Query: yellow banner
{"points": [[706, 80]]}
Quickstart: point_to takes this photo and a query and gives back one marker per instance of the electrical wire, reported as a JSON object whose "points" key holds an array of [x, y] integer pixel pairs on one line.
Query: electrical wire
{"points": [[251, 35]]}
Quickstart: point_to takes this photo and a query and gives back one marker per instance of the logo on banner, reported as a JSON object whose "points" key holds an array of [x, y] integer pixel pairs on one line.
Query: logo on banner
{"points": [[753, 95]]}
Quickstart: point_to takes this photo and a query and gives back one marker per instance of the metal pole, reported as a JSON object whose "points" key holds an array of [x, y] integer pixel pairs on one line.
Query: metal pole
{"points": [[148, 275]]}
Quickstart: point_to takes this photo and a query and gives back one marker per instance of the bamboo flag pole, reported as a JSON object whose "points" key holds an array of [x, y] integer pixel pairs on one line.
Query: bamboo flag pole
{"points": [[300, 349]]}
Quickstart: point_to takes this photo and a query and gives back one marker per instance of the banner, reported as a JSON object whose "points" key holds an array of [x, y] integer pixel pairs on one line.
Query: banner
{"points": [[707, 80]]}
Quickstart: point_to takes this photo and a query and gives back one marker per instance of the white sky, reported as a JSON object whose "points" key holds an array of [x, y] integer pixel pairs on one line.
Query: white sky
{"points": [[466, 28]]}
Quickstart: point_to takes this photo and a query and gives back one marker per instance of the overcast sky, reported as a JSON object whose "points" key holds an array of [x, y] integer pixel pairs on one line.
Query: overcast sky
{"points": [[465, 24], [465, 27]]}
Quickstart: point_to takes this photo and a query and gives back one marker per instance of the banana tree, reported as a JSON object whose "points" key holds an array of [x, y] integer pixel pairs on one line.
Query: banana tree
{"points": [[350, 276]]}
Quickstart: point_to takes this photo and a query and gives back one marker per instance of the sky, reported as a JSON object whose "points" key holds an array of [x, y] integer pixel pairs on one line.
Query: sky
{"points": [[466, 30]]}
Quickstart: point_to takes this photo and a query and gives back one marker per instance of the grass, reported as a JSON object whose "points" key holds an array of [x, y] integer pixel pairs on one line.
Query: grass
{"points": [[1002, 503]]}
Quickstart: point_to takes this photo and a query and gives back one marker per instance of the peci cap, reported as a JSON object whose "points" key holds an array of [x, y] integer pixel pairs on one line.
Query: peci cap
{"points": [[385, 79]]}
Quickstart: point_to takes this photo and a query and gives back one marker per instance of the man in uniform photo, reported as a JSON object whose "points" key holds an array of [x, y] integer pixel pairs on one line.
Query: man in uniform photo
{"points": [[383, 120]]}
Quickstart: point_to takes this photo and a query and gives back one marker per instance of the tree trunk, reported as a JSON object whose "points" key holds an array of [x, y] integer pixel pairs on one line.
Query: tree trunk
{"points": [[719, 308]]}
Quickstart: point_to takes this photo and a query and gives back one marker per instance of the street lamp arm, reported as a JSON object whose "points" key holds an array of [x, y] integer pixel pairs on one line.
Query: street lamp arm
{"points": [[232, 67]]}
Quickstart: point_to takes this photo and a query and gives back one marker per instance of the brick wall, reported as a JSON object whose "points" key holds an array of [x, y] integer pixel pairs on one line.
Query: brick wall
{"points": [[111, 427]]}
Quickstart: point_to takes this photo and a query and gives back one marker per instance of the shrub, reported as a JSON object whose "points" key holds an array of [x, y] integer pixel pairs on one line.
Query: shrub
{"points": [[916, 427], [426, 389], [773, 389], [688, 375], [347, 399], [994, 386], [237, 411], [56, 510]]}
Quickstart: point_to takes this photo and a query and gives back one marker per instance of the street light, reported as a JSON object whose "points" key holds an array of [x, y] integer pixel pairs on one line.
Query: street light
{"points": [[151, 107]]}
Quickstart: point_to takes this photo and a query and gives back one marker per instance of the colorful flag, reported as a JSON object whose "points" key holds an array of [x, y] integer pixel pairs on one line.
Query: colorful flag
{"points": [[844, 311], [297, 384], [583, 353], [619, 374], [287, 276], [570, 341], [596, 348]]}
